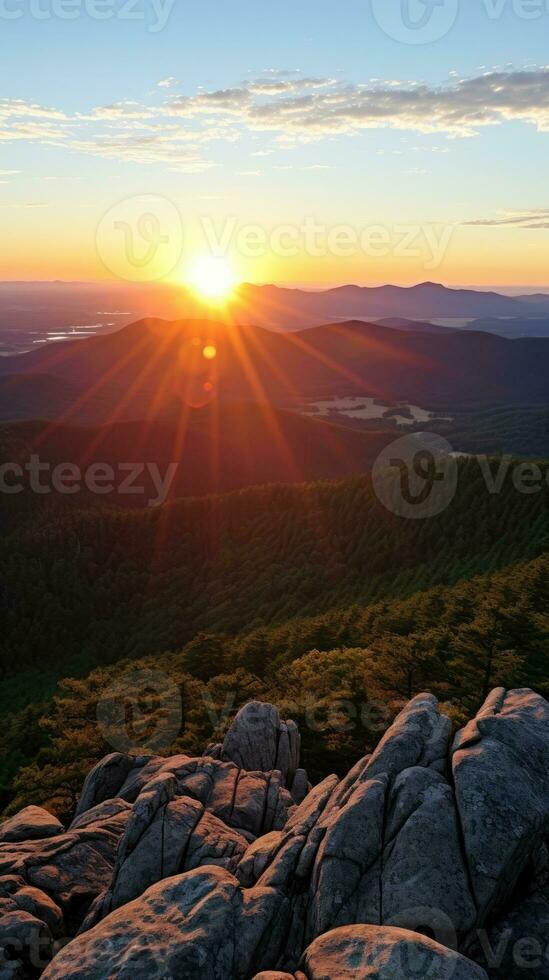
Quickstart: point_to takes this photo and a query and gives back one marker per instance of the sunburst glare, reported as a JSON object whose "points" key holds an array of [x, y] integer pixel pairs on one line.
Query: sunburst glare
{"points": [[212, 278]]}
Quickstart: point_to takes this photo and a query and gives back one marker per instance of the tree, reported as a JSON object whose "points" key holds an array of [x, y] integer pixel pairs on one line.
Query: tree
{"points": [[204, 657], [403, 666], [487, 652]]}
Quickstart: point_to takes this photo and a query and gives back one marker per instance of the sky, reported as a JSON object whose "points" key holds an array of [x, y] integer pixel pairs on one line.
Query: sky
{"points": [[304, 143]]}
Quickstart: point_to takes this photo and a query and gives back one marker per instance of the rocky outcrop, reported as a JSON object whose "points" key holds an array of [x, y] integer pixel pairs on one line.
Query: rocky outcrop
{"points": [[32, 823], [166, 834], [71, 868], [500, 763], [30, 922], [259, 740], [420, 862]]}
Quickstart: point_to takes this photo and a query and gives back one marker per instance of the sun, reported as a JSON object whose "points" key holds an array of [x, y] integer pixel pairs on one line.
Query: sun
{"points": [[212, 278]]}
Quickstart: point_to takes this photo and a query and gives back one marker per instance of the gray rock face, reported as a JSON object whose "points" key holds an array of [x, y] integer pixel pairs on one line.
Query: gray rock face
{"points": [[516, 947], [201, 868], [259, 741], [500, 765], [181, 927], [382, 847], [252, 802], [373, 953], [29, 923], [166, 835], [71, 868], [107, 778], [32, 823]]}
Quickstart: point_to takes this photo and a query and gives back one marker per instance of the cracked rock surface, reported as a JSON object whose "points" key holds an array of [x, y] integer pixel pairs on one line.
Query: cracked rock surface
{"points": [[429, 859]]}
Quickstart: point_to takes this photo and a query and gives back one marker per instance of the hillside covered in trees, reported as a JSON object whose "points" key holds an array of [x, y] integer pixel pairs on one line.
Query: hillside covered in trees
{"points": [[312, 596]]}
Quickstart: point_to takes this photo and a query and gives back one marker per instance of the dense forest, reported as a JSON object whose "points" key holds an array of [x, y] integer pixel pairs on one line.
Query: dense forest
{"points": [[342, 675], [312, 596]]}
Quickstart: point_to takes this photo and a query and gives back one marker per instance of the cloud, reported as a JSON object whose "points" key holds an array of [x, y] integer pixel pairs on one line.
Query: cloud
{"points": [[287, 107], [18, 108], [167, 82], [535, 218], [322, 107], [24, 204], [34, 131], [119, 111], [281, 86], [281, 72], [141, 148]]}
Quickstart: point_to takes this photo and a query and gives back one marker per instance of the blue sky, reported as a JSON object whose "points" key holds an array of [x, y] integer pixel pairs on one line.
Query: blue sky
{"points": [[394, 171]]}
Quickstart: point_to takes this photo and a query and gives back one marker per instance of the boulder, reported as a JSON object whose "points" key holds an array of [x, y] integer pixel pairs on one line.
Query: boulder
{"points": [[32, 823], [166, 835], [181, 927], [274, 975], [380, 847], [251, 802], [500, 764], [71, 868], [422, 855], [26, 943], [378, 953], [16, 894], [30, 921], [106, 779], [258, 740]]}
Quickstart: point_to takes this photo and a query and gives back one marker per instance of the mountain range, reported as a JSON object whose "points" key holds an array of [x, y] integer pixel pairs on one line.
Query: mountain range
{"points": [[27, 306], [150, 368]]}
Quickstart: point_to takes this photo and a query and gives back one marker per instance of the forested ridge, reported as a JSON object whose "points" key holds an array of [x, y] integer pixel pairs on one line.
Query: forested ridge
{"points": [[342, 675], [112, 584], [303, 595]]}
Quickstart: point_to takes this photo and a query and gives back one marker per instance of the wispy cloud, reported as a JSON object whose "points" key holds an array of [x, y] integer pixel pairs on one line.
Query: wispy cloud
{"points": [[315, 107], [167, 82], [289, 106], [24, 204], [534, 218]]}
